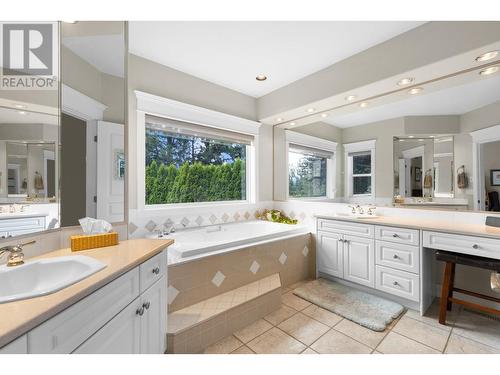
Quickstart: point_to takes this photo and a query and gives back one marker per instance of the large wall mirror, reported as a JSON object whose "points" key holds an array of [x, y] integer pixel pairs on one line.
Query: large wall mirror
{"points": [[92, 121], [432, 144]]}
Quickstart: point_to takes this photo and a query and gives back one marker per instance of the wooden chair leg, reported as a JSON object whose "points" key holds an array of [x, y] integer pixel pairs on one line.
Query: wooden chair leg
{"points": [[445, 291], [452, 284]]}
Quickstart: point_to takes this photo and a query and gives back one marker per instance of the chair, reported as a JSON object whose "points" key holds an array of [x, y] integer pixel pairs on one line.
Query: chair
{"points": [[447, 299]]}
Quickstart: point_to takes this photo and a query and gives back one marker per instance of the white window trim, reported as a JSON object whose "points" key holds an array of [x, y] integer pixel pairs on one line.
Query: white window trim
{"points": [[364, 146], [172, 109], [300, 139]]}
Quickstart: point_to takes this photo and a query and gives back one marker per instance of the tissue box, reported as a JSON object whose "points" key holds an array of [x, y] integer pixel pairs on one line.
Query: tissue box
{"points": [[85, 242]]}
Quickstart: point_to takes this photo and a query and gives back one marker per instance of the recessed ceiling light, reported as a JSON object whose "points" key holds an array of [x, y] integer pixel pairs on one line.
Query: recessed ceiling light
{"points": [[488, 71], [411, 136], [279, 119], [292, 123], [261, 77], [311, 110], [69, 21], [20, 106], [350, 98], [415, 90], [420, 140], [21, 112], [405, 81], [364, 104], [432, 136], [487, 56], [324, 115]]}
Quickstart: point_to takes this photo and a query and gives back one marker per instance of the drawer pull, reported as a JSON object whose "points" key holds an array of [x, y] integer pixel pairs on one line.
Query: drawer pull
{"points": [[140, 311], [156, 270], [395, 283], [475, 246], [395, 256], [395, 235], [146, 305]]}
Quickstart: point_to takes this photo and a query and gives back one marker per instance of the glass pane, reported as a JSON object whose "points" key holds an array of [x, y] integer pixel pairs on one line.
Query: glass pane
{"points": [[362, 185], [307, 175], [181, 169], [362, 164]]}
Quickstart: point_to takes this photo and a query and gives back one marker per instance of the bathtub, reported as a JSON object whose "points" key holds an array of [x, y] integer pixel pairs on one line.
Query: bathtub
{"points": [[216, 238]]}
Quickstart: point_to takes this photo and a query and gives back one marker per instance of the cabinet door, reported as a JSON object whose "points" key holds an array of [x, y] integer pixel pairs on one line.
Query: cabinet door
{"points": [[359, 260], [153, 322], [121, 335], [330, 256]]}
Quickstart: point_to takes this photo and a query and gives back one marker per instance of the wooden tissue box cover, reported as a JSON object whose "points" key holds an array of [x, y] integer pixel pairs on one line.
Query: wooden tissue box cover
{"points": [[85, 242]]}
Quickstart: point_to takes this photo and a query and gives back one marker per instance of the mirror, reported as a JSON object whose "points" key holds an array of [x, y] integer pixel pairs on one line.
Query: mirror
{"points": [[29, 135], [92, 122], [434, 146]]}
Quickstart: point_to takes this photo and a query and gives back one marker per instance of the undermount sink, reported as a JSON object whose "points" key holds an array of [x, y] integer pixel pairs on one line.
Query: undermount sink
{"points": [[44, 276], [357, 216]]}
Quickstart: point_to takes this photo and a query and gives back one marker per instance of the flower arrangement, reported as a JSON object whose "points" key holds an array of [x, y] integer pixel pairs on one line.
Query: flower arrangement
{"points": [[276, 216]]}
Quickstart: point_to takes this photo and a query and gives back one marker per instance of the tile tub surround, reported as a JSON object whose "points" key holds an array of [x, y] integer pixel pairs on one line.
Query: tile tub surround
{"points": [[193, 281], [19, 317]]}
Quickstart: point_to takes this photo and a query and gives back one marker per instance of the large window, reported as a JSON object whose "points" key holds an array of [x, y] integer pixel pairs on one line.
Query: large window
{"points": [[193, 163], [360, 165], [307, 173]]}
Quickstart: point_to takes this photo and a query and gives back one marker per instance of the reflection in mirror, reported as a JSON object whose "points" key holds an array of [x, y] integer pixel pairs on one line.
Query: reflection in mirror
{"points": [[92, 124]]}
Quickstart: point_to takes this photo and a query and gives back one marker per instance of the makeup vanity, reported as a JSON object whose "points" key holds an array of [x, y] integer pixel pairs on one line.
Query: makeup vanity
{"points": [[393, 256]]}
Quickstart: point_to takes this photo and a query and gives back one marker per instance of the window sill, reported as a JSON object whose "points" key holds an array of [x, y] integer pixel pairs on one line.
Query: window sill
{"points": [[177, 206]]}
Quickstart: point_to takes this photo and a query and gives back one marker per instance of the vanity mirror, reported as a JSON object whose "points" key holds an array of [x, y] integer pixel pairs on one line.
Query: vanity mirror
{"points": [[92, 121], [431, 143]]}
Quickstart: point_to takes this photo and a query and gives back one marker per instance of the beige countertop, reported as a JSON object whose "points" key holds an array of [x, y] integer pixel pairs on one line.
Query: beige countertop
{"points": [[18, 317], [451, 226]]}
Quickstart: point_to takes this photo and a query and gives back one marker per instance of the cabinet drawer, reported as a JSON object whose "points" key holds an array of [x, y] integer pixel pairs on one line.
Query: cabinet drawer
{"points": [[480, 246], [399, 235], [152, 270], [401, 257], [398, 283], [346, 227], [70, 328], [20, 224]]}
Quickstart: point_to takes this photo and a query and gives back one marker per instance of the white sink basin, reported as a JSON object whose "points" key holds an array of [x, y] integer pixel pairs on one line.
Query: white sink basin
{"points": [[357, 216], [44, 276]]}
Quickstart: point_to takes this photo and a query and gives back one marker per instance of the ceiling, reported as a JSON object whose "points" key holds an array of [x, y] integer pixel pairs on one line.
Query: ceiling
{"points": [[232, 54], [13, 116], [456, 100]]}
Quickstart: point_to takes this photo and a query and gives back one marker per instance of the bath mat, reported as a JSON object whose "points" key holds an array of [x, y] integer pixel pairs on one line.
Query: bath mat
{"points": [[365, 309]]}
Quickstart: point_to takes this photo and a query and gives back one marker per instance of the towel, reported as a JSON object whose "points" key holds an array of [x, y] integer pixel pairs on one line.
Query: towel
{"points": [[462, 180], [38, 181], [428, 181]]}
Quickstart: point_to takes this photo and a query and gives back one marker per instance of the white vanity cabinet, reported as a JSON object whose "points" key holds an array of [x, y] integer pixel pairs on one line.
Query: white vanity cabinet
{"points": [[330, 254], [18, 346], [359, 260], [16, 226]]}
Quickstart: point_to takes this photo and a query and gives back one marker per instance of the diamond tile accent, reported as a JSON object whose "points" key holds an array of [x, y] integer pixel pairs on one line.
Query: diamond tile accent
{"points": [[256, 214], [172, 294], [282, 259], [218, 279], [302, 216], [185, 221], [199, 220], [247, 215], [132, 227], [212, 218], [225, 217], [150, 225], [236, 216], [168, 223], [305, 251], [292, 215], [254, 268]]}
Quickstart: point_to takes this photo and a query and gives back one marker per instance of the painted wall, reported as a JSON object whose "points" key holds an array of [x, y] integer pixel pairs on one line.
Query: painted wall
{"points": [[491, 161]]}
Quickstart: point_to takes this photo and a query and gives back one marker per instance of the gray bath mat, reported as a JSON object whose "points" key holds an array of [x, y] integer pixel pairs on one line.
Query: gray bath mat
{"points": [[369, 311]]}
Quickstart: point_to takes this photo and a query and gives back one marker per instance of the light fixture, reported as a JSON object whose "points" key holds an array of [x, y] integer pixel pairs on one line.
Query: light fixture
{"points": [[431, 136], [279, 119], [415, 90], [69, 21], [310, 110], [420, 140], [20, 106], [364, 104], [324, 115], [489, 70], [261, 77], [411, 136], [21, 112], [405, 81], [350, 98], [487, 56]]}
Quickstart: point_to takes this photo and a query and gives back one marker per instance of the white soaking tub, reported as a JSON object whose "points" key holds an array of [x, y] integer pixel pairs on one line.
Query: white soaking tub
{"points": [[216, 238]]}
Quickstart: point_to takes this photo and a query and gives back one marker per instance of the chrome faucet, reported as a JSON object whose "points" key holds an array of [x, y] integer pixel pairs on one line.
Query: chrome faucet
{"points": [[357, 209], [16, 256]]}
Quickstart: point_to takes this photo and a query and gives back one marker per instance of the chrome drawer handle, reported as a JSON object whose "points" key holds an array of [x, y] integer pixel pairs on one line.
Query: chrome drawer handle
{"points": [[146, 305], [140, 311], [156, 270], [395, 256], [395, 283], [395, 235], [475, 246]]}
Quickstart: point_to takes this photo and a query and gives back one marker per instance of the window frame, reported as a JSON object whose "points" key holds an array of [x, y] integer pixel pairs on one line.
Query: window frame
{"points": [[299, 139], [148, 104], [367, 147]]}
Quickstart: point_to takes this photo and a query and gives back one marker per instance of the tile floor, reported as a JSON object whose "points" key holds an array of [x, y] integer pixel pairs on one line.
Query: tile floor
{"points": [[301, 327]]}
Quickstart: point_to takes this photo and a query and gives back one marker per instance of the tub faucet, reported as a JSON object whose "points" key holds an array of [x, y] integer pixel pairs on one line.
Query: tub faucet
{"points": [[16, 256]]}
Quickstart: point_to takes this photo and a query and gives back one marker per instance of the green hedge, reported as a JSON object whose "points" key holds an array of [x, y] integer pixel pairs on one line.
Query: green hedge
{"points": [[195, 182]]}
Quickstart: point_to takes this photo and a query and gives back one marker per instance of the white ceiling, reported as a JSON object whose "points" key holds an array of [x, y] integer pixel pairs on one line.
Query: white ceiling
{"points": [[12, 116], [104, 52], [451, 101], [232, 54]]}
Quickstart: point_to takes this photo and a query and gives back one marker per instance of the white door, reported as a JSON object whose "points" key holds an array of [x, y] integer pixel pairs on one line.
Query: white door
{"points": [[110, 171], [330, 256], [402, 177], [359, 260], [121, 335], [153, 322]]}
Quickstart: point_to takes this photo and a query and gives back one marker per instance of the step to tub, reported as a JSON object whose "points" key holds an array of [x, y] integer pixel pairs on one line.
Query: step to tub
{"points": [[193, 328]]}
